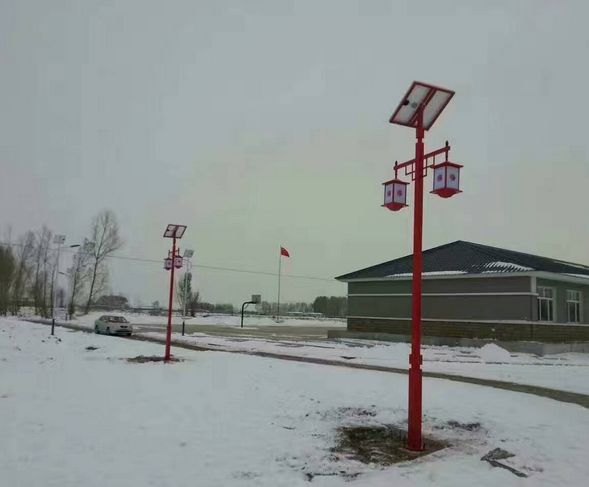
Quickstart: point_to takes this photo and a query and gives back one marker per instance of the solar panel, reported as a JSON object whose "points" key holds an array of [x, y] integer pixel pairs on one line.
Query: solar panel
{"points": [[173, 230], [432, 97]]}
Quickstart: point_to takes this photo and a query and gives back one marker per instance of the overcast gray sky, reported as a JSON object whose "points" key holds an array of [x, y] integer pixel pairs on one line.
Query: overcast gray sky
{"points": [[262, 123]]}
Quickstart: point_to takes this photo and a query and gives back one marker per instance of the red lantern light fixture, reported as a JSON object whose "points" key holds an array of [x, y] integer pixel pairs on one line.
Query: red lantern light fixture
{"points": [[395, 194], [178, 262], [419, 108], [446, 179]]}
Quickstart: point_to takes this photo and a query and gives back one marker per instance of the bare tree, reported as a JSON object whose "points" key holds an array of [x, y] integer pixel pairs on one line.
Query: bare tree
{"points": [[79, 273], [194, 303], [7, 268], [101, 282], [192, 297], [60, 295], [105, 234], [42, 274], [25, 255], [182, 294]]}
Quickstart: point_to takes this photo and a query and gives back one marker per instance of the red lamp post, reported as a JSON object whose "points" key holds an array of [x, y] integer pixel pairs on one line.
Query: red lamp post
{"points": [[419, 109], [173, 261]]}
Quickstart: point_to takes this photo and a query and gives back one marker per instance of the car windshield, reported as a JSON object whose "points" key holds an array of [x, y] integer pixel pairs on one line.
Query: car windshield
{"points": [[117, 319]]}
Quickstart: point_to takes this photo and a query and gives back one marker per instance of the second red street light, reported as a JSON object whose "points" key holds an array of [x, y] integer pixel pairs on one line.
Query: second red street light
{"points": [[173, 261], [420, 108]]}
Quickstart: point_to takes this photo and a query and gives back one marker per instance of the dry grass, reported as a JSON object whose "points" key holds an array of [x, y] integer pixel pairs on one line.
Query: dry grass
{"points": [[380, 445]]}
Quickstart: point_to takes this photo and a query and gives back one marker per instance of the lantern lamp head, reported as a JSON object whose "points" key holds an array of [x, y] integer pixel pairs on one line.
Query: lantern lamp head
{"points": [[446, 179], [395, 194]]}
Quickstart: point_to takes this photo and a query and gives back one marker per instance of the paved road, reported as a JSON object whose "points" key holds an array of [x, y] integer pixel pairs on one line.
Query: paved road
{"points": [[294, 333], [557, 395]]}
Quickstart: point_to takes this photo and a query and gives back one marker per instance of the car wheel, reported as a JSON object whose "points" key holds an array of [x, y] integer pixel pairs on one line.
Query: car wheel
{"points": [[96, 330], [108, 330]]}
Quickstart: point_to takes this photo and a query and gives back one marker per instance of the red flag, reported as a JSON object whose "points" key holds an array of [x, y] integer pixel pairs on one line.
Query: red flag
{"points": [[284, 252]]}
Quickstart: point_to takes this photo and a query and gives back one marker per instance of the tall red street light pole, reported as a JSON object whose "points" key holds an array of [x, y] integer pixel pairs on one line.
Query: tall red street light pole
{"points": [[174, 261], [420, 108]]}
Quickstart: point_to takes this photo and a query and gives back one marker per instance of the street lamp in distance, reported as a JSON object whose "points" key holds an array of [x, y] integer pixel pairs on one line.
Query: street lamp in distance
{"points": [[59, 240], [174, 261]]}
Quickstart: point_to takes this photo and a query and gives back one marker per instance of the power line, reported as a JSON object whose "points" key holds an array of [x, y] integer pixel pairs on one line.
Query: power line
{"points": [[201, 266]]}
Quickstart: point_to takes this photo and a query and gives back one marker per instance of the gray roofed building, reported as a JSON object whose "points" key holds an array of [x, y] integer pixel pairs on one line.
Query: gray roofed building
{"points": [[462, 257], [474, 291]]}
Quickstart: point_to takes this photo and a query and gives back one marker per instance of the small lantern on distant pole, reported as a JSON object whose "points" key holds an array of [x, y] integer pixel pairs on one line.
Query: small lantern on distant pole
{"points": [[168, 263], [178, 262], [395, 194]]}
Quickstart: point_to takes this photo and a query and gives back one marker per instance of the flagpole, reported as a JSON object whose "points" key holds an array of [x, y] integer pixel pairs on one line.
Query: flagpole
{"points": [[279, 269]]}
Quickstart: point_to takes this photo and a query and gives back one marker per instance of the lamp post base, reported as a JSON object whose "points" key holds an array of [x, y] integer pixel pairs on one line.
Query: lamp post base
{"points": [[414, 440]]}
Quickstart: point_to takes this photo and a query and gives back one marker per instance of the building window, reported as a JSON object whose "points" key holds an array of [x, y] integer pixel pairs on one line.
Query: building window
{"points": [[574, 306], [545, 303]]}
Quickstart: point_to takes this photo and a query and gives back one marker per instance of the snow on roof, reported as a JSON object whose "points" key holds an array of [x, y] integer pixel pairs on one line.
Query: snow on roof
{"points": [[431, 273], [502, 266]]}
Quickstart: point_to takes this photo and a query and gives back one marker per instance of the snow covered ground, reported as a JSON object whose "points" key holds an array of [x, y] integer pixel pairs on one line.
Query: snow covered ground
{"points": [[569, 371], [214, 319], [77, 417]]}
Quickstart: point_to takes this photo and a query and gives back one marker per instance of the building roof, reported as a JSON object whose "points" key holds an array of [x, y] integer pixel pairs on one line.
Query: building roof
{"points": [[460, 257]]}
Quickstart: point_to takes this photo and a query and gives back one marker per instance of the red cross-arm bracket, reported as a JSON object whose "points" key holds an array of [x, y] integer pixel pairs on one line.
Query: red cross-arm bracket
{"points": [[429, 160]]}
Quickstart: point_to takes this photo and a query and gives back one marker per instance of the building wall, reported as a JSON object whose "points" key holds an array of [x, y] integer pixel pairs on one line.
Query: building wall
{"points": [[392, 299], [561, 298], [551, 333], [446, 285]]}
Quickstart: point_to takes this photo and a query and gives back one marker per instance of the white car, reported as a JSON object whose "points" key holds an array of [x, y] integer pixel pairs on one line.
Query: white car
{"points": [[113, 325]]}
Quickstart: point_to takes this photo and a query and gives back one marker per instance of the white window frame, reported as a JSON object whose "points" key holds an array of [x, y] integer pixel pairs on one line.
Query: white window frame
{"points": [[580, 305], [541, 298]]}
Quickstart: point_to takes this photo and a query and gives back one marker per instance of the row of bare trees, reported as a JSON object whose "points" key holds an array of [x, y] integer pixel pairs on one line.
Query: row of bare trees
{"points": [[28, 269]]}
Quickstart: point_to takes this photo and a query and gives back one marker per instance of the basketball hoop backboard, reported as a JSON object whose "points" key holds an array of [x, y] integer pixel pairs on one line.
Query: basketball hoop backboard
{"points": [[433, 98], [174, 231]]}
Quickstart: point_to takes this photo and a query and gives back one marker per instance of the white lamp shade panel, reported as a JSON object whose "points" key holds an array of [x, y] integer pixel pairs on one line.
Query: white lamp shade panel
{"points": [[388, 194], [439, 177], [400, 193], [452, 177]]}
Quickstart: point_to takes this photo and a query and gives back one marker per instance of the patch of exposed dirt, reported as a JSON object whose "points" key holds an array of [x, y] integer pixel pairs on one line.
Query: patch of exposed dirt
{"points": [[380, 445], [143, 359]]}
